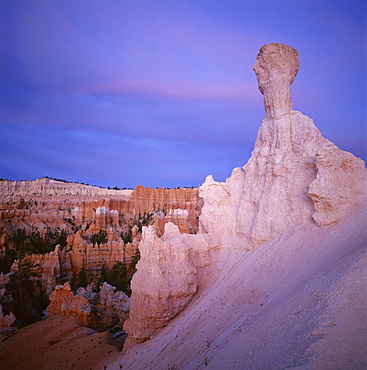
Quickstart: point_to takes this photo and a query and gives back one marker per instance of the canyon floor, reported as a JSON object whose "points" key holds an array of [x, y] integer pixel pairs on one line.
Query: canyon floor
{"points": [[298, 301], [56, 343]]}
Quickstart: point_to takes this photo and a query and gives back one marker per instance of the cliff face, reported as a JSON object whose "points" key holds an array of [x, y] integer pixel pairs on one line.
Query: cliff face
{"points": [[52, 190], [65, 265], [294, 177], [31, 200]]}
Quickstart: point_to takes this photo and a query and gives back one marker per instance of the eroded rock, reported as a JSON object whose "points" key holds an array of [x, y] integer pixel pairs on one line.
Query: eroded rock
{"points": [[166, 279], [294, 177], [96, 310], [6, 321]]}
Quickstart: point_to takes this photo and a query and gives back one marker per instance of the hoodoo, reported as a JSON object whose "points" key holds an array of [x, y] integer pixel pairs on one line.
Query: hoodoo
{"points": [[276, 67], [294, 178]]}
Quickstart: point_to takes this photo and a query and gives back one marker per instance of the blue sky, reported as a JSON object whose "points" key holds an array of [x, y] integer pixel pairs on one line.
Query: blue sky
{"points": [[162, 93]]}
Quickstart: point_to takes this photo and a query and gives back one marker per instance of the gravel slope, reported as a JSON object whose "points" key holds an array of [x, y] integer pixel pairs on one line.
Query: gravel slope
{"points": [[297, 302]]}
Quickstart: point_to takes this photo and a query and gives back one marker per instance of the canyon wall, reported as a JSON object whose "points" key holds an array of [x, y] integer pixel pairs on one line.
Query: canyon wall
{"points": [[81, 211], [294, 177], [68, 199]]}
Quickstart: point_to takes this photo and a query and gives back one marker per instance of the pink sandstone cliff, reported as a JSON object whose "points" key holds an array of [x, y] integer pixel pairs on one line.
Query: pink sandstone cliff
{"points": [[45, 202], [295, 177]]}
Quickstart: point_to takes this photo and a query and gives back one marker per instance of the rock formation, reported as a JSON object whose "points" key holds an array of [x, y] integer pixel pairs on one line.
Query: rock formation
{"points": [[166, 279], [63, 302], [294, 177], [276, 67], [339, 184], [51, 267], [281, 184], [47, 202], [6, 321], [79, 211], [275, 278], [95, 310], [112, 305]]}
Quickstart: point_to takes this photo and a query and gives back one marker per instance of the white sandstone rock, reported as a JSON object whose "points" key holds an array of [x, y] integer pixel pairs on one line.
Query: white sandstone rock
{"points": [[294, 177]]}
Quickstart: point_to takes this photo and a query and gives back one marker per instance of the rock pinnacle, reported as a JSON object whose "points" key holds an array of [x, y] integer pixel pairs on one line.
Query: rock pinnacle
{"points": [[276, 67]]}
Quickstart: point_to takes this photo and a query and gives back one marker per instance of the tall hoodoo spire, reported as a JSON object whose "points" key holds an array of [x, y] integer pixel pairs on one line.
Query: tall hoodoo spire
{"points": [[276, 67], [294, 179]]}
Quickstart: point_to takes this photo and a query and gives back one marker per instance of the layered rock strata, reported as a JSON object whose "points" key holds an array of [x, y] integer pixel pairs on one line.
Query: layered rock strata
{"points": [[81, 212], [64, 265], [294, 177], [31, 200]]}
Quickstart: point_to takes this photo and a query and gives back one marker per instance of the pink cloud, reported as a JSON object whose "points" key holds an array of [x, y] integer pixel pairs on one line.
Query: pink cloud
{"points": [[185, 90]]}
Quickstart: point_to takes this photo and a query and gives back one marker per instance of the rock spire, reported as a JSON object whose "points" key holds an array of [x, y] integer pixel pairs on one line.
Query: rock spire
{"points": [[294, 178], [276, 67]]}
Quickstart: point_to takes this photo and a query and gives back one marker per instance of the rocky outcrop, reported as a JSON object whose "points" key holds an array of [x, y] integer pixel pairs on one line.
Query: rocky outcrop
{"points": [[145, 200], [46, 187], [51, 268], [340, 183], [63, 302], [275, 68], [166, 279], [64, 265], [112, 305], [6, 321], [81, 212], [91, 258], [281, 184], [29, 200], [179, 217], [294, 177], [96, 310]]}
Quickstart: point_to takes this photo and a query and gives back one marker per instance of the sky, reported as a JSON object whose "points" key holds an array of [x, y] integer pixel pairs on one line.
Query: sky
{"points": [[162, 93]]}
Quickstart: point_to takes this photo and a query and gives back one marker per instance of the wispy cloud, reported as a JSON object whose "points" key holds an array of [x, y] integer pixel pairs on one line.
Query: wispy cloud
{"points": [[143, 91]]}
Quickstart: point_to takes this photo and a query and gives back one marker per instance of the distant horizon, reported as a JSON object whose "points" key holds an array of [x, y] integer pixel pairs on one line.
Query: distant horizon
{"points": [[163, 94], [108, 187]]}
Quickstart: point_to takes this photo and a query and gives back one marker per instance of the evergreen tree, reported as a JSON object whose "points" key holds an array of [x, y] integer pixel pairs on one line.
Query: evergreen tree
{"points": [[134, 260], [117, 277], [100, 238], [103, 277], [29, 297], [81, 280]]}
